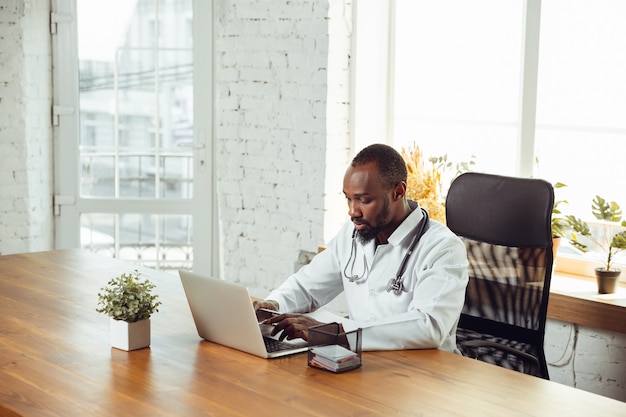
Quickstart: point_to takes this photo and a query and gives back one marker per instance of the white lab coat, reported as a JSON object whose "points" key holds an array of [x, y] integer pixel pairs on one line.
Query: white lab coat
{"points": [[424, 316]]}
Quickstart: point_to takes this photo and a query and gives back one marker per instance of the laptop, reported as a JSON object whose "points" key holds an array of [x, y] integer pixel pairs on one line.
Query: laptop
{"points": [[223, 314]]}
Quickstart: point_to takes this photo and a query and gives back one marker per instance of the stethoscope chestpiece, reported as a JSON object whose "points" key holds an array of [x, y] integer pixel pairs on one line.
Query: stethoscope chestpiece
{"points": [[354, 278], [395, 285]]}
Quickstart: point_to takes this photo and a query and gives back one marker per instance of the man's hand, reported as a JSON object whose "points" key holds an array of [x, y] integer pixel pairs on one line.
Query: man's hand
{"points": [[265, 304], [293, 326]]}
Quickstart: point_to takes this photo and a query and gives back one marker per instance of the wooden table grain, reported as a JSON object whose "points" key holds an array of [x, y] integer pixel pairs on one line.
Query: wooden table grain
{"points": [[56, 360]]}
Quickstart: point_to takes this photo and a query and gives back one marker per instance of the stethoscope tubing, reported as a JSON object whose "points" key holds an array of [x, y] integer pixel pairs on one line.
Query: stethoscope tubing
{"points": [[395, 284]]}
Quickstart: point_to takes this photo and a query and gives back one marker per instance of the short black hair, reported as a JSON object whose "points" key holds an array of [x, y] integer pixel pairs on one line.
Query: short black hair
{"points": [[391, 165]]}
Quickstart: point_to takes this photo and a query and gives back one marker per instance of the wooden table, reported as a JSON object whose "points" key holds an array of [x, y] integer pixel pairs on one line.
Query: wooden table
{"points": [[55, 360]]}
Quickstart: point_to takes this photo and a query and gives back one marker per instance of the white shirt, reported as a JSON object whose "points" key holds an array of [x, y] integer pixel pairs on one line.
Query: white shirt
{"points": [[425, 315]]}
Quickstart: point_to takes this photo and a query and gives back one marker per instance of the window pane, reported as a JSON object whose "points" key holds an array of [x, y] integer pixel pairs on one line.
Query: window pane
{"points": [[141, 26], [137, 176], [136, 128], [97, 233], [176, 177], [136, 131], [581, 128], [96, 127], [136, 236], [457, 79], [136, 101], [97, 175], [177, 17], [176, 100]]}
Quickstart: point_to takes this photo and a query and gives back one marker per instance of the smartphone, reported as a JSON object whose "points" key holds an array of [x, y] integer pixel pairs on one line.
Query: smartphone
{"points": [[264, 313]]}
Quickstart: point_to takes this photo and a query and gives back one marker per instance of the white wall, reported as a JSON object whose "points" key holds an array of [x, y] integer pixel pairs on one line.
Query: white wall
{"points": [[282, 139], [590, 359], [25, 131], [272, 60]]}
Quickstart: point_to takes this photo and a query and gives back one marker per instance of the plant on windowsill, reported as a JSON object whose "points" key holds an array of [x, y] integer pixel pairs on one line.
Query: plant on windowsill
{"points": [[129, 303], [425, 182], [558, 223], [607, 242]]}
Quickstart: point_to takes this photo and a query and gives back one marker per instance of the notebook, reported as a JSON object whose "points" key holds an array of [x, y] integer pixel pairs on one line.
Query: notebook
{"points": [[223, 313]]}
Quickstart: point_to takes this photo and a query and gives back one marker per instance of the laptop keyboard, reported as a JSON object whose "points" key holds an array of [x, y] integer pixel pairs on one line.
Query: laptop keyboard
{"points": [[273, 345]]}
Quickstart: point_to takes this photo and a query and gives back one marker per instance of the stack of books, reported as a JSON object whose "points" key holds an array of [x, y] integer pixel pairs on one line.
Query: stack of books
{"points": [[334, 358]]}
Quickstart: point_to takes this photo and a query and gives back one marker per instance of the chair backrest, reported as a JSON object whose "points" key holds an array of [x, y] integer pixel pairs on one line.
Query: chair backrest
{"points": [[505, 225]]}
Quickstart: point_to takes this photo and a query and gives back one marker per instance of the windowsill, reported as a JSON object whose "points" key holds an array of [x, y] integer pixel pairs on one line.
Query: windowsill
{"points": [[574, 297]]}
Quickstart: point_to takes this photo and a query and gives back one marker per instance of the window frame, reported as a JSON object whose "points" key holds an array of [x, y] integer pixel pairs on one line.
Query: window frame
{"points": [[68, 202], [372, 96]]}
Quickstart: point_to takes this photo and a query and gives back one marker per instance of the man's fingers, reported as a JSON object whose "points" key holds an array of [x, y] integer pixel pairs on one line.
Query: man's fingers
{"points": [[291, 326]]}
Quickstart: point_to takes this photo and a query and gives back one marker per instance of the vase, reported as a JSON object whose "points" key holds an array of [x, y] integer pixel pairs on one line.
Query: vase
{"points": [[130, 336], [607, 280]]}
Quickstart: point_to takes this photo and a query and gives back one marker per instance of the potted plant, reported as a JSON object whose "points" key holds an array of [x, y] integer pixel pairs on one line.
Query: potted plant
{"points": [[129, 303], [558, 223], [425, 183], [608, 242]]}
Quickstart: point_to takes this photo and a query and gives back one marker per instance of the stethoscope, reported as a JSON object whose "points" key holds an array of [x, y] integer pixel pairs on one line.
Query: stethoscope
{"points": [[394, 284]]}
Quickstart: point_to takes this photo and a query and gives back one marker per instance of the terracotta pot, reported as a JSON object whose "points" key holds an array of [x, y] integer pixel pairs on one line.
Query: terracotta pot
{"points": [[556, 242], [607, 280]]}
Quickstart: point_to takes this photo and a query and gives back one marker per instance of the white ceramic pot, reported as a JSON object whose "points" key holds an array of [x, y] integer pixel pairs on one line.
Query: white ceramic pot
{"points": [[130, 336]]}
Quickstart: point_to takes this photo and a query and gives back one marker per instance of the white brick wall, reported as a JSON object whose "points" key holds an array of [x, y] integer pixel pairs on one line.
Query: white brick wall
{"points": [[282, 111], [590, 359], [271, 87], [25, 131]]}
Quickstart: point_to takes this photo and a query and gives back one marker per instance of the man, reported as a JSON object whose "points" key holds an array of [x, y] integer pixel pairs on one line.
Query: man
{"points": [[418, 310]]}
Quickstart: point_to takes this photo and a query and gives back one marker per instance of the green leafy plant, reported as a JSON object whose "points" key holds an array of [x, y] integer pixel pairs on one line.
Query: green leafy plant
{"points": [[610, 244], [559, 222], [442, 165], [128, 298]]}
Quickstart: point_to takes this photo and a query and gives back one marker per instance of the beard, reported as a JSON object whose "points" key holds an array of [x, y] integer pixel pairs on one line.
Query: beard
{"points": [[370, 233]]}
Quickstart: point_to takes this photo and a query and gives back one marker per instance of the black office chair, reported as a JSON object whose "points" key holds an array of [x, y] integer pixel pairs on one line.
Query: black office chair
{"points": [[505, 225]]}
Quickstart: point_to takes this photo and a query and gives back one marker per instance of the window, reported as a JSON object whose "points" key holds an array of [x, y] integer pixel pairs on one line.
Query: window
{"points": [[581, 99], [531, 88], [133, 174]]}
